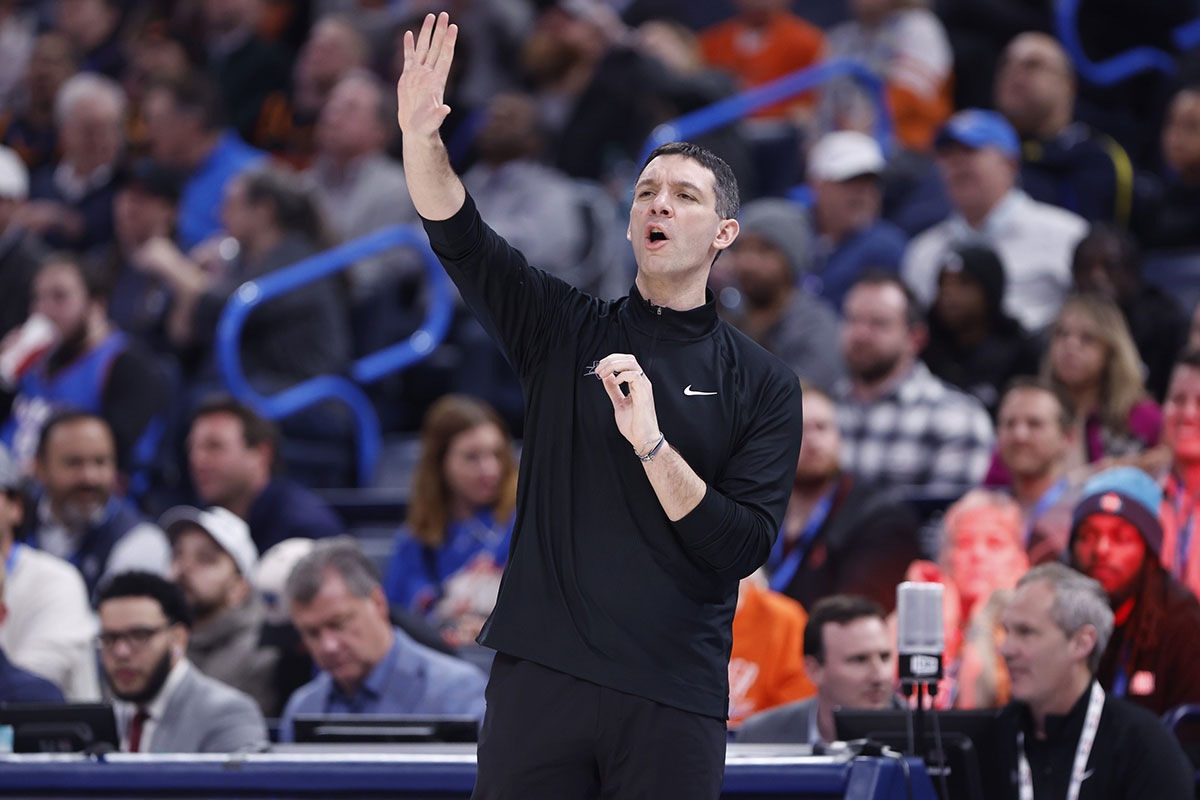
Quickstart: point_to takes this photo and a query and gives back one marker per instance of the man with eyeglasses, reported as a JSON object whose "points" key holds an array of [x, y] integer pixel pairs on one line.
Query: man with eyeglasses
{"points": [[164, 704]]}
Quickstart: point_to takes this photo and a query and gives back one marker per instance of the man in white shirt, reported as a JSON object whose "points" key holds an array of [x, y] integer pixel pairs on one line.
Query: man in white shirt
{"points": [[978, 154]]}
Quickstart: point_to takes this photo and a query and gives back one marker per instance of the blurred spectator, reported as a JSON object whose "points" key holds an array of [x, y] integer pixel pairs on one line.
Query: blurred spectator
{"points": [[359, 187], [92, 366], [903, 42], [20, 251], [848, 656], [18, 25], [762, 42], [767, 262], [1034, 435], [900, 425], [447, 559], [153, 57], [232, 452], [565, 226], [979, 31], [164, 704], [212, 561], [1107, 263], [29, 127], [841, 535], [1181, 433], [974, 345], [18, 685], [978, 155], [1063, 162], [1175, 222], [48, 628], [367, 666], [766, 665], [186, 128], [71, 205], [844, 170], [1094, 362], [80, 516], [247, 67], [93, 26], [1117, 539]]}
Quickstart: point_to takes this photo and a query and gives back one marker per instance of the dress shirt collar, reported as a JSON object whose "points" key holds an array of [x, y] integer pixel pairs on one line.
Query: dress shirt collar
{"points": [[155, 708], [996, 223], [375, 684]]}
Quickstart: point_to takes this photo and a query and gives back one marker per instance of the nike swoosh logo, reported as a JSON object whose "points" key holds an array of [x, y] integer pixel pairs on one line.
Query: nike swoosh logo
{"points": [[690, 393], [1086, 775]]}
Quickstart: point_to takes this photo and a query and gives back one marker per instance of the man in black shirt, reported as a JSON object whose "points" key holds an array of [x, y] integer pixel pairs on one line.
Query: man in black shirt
{"points": [[613, 622], [1062, 736]]}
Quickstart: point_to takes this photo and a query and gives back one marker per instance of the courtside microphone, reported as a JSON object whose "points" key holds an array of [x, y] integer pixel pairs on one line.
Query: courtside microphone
{"points": [[919, 633]]}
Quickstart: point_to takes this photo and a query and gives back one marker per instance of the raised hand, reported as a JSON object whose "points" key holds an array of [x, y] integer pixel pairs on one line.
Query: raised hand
{"points": [[422, 84], [635, 415]]}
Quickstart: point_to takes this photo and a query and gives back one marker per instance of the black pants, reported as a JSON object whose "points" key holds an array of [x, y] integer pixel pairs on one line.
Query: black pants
{"points": [[549, 735]]}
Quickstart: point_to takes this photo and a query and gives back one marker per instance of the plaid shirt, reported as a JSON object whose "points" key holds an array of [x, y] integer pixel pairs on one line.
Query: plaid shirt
{"points": [[922, 434]]}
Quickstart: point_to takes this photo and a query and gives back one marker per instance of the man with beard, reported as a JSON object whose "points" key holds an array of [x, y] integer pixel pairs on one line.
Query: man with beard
{"points": [[212, 561], [80, 517], [92, 367], [841, 534], [165, 705], [900, 425]]}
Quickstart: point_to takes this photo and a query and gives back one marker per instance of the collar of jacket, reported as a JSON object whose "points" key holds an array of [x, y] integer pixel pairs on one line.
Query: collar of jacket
{"points": [[695, 323]]}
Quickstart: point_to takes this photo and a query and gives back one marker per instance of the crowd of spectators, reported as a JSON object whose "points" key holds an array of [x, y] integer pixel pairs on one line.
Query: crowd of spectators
{"points": [[993, 375]]}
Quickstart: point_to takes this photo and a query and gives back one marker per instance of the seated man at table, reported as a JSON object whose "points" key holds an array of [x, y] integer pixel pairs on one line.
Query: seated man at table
{"points": [[848, 655], [164, 704], [367, 666]]}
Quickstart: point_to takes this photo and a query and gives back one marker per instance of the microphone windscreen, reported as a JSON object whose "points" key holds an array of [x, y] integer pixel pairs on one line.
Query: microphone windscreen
{"points": [[919, 618]]}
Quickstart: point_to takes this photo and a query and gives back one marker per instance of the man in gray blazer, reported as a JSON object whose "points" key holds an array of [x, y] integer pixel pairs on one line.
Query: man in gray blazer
{"points": [[164, 704], [848, 655]]}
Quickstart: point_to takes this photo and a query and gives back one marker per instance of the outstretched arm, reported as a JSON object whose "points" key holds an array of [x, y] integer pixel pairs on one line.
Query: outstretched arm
{"points": [[436, 191]]}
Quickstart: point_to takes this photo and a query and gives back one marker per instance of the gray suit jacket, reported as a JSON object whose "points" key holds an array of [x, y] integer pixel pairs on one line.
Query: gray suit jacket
{"points": [[206, 716], [786, 724]]}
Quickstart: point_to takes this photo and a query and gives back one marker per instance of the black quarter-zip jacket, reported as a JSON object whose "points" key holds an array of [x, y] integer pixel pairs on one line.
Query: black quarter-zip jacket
{"points": [[600, 584]]}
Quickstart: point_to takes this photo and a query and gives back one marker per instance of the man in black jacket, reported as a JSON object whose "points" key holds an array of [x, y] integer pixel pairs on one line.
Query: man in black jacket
{"points": [[613, 622]]}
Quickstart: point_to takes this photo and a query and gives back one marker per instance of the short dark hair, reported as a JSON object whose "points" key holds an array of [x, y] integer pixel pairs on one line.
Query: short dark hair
{"points": [[840, 609], [724, 181], [1190, 357], [146, 584], [96, 282], [1066, 416], [256, 429], [68, 416], [914, 314], [196, 94]]}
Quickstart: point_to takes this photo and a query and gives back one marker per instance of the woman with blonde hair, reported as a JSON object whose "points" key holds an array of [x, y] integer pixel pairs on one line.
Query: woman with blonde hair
{"points": [[450, 553], [1092, 359]]}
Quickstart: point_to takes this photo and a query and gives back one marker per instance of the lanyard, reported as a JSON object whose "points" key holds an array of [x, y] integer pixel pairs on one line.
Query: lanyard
{"points": [[1091, 723], [1043, 504], [10, 563], [786, 570]]}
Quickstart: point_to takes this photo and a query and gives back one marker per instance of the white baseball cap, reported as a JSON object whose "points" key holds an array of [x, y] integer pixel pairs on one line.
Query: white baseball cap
{"points": [[843, 155], [14, 176], [227, 529]]}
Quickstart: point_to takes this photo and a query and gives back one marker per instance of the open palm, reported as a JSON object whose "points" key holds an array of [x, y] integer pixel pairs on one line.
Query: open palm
{"points": [[422, 84]]}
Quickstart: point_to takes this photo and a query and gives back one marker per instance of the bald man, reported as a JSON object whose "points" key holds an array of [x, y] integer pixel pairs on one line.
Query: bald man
{"points": [[1063, 162]]}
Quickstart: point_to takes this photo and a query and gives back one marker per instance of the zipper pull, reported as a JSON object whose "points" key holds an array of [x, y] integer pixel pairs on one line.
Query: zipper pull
{"points": [[658, 310]]}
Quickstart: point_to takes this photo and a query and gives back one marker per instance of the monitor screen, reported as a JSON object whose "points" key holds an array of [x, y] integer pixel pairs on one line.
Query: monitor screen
{"points": [[60, 727], [360, 728]]}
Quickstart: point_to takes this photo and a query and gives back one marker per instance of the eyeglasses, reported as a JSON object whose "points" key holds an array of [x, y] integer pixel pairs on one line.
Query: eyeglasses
{"points": [[136, 638]]}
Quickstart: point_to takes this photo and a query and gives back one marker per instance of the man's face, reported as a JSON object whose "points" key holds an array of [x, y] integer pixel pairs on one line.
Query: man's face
{"points": [[1181, 415], [92, 134], [1029, 433], [50, 65], [822, 442], [1039, 655], [673, 223], [858, 670], [138, 216], [761, 269], [349, 124], [843, 207], [78, 469], [206, 573], [60, 294], [1033, 82], [138, 646], [223, 466], [1110, 549], [961, 301], [170, 132], [875, 333], [345, 634], [975, 179], [1097, 268], [984, 554], [1181, 133]]}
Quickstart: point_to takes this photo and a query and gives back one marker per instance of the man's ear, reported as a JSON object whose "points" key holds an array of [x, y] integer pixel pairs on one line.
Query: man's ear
{"points": [[726, 233], [815, 670], [1082, 642], [918, 334]]}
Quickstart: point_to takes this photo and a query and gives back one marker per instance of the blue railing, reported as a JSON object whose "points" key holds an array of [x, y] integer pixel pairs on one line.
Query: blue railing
{"points": [[1125, 64], [733, 108], [369, 368]]}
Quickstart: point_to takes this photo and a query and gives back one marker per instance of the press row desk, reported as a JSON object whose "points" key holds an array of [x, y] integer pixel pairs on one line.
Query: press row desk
{"points": [[415, 771]]}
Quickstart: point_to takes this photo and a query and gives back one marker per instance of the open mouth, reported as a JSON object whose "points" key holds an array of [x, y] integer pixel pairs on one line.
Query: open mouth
{"points": [[655, 236]]}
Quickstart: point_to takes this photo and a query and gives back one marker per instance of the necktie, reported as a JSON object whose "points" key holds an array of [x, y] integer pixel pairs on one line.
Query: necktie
{"points": [[135, 729]]}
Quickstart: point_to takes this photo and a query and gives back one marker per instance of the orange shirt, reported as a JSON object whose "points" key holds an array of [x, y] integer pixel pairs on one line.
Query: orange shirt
{"points": [[766, 667]]}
